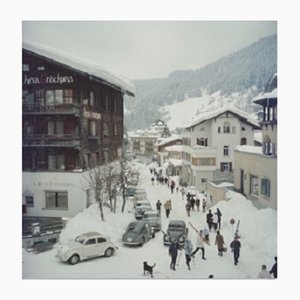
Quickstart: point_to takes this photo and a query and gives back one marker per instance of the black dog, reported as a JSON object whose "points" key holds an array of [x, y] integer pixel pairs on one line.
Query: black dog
{"points": [[148, 269]]}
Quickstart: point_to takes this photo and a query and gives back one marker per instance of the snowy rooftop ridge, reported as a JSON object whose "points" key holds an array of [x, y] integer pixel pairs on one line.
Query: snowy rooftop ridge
{"points": [[80, 64], [249, 149], [163, 141], [212, 114]]}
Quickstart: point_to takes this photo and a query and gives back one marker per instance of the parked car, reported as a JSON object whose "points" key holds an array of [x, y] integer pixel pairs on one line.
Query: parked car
{"points": [[140, 197], [85, 246], [138, 233], [140, 210], [140, 191], [177, 231], [153, 218], [134, 179], [130, 191], [140, 201]]}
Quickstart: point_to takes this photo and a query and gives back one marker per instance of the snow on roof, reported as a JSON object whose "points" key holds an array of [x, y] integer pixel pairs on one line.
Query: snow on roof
{"points": [[249, 149], [163, 141], [176, 148], [80, 64], [176, 162], [215, 113], [270, 95]]}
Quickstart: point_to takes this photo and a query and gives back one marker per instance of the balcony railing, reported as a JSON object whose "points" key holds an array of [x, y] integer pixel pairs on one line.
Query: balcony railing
{"points": [[51, 109], [54, 140]]}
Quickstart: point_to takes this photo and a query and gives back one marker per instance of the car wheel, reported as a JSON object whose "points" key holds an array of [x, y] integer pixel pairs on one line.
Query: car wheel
{"points": [[109, 252], [74, 259]]}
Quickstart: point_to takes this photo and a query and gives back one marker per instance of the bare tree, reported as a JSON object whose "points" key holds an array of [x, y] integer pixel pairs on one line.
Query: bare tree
{"points": [[124, 173], [97, 183]]}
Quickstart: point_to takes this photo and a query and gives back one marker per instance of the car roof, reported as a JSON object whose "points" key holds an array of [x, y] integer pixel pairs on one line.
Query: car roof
{"points": [[137, 224], [90, 234], [177, 222]]}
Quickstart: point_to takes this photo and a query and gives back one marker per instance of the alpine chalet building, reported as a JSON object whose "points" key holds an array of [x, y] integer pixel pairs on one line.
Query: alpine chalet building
{"points": [[72, 122]]}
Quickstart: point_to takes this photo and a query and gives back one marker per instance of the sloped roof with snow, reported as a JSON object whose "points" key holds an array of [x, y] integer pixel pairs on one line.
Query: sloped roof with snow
{"points": [[80, 64], [270, 91], [215, 113], [163, 141]]}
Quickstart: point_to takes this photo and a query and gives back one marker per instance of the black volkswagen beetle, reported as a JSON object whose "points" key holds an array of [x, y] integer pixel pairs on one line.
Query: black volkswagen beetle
{"points": [[137, 233], [176, 232]]}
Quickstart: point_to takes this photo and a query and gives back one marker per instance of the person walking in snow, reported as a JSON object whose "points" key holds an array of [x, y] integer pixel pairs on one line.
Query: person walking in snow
{"points": [[264, 274], [203, 205], [235, 246], [209, 219], [219, 214], [215, 221], [188, 208], [152, 180], [158, 206], [200, 244], [273, 271], [220, 243], [182, 192], [193, 201], [172, 186], [188, 248], [168, 207], [198, 204], [173, 252], [206, 235]]}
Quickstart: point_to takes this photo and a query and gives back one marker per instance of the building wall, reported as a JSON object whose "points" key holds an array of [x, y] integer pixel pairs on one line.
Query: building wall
{"points": [[36, 184], [258, 165], [215, 194]]}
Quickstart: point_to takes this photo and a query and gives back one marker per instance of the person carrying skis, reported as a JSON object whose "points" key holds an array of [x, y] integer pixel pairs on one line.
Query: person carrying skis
{"points": [[188, 248], [173, 252], [220, 243], [235, 246], [209, 219], [200, 244]]}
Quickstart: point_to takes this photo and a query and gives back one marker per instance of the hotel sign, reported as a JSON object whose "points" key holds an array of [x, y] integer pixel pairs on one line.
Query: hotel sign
{"points": [[47, 79]]}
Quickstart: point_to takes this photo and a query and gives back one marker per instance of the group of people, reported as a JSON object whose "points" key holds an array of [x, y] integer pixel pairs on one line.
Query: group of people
{"points": [[167, 207], [214, 220]]}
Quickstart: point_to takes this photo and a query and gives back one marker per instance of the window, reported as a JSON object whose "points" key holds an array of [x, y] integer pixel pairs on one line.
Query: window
{"points": [[268, 146], [219, 129], [55, 127], [56, 199], [226, 167], [115, 129], [40, 97], [106, 103], [28, 97], [226, 150], [115, 104], [265, 187], [54, 97], [92, 127], [29, 201], [254, 185], [25, 67], [40, 68], [56, 162], [233, 129], [105, 129], [226, 127], [243, 128], [101, 240], [243, 141], [91, 242], [68, 96], [202, 142], [203, 180], [92, 99]]}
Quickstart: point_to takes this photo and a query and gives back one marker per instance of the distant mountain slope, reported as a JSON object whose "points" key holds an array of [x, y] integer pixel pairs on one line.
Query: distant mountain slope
{"points": [[241, 73]]}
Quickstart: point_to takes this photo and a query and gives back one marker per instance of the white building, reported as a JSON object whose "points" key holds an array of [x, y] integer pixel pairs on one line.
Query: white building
{"points": [[255, 173], [209, 143]]}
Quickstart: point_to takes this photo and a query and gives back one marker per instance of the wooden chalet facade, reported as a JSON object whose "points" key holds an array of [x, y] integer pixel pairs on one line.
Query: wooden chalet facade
{"points": [[72, 121]]}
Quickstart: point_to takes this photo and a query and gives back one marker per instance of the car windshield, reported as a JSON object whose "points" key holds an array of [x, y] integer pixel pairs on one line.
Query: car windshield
{"points": [[80, 240], [175, 227]]}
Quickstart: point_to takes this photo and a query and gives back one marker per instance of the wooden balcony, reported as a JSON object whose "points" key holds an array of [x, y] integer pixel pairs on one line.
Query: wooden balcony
{"points": [[65, 109], [55, 140]]}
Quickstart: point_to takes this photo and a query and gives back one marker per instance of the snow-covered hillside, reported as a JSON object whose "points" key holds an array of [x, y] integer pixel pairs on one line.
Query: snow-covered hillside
{"points": [[180, 114]]}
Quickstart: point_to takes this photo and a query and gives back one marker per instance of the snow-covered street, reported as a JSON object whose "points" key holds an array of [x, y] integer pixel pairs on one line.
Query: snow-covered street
{"points": [[257, 228]]}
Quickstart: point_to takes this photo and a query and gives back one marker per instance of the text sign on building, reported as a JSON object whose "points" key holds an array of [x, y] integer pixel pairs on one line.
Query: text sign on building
{"points": [[48, 79]]}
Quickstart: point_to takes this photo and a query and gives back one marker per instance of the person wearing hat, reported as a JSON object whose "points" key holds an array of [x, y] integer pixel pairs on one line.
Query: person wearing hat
{"points": [[235, 246]]}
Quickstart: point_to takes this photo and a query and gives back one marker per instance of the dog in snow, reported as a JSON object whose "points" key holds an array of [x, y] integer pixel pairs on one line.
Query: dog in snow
{"points": [[148, 269]]}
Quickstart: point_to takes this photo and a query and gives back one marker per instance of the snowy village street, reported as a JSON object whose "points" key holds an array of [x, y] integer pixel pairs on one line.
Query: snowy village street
{"points": [[257, 229]]}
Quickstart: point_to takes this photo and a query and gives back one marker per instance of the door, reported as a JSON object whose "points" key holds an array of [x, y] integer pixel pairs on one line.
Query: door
{"points": [[90, 248]]}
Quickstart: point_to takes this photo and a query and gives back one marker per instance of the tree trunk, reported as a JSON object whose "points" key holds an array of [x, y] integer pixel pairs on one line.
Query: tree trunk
{"points": [[124, 199], [101, 211]]}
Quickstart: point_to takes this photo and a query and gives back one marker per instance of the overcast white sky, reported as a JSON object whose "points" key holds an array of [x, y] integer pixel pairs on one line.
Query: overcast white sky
{"points": [[148, 49]]}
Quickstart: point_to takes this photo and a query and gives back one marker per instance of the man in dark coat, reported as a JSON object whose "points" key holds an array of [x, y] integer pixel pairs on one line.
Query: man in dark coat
{"points": [[209, 219], [173, 251], [273, 271], [235, 248]]}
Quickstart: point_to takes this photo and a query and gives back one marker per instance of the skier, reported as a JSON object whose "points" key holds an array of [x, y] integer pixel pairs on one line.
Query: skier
{"points": [[220, 243], [219, 214], [209, 218], [235, 246], [158, 206], [274, 268], [264, 274], [173, 251], [200, 244], [188, 248]]}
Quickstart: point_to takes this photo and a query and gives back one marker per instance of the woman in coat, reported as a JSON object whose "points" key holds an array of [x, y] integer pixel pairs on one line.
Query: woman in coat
{"points": [[220, 243], [188, 248]]}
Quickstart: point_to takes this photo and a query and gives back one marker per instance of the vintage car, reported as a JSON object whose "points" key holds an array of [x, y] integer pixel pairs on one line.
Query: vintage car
{"points": [[138, 233], [85, 246], [130, 191], [153, 218], [176, 232], [141, 209]]}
